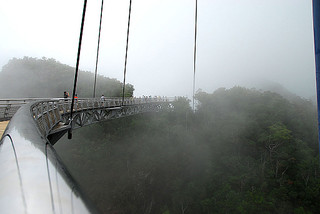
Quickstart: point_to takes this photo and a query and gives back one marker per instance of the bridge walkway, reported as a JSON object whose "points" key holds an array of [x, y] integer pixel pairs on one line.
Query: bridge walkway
{"points": [[3, 126]]}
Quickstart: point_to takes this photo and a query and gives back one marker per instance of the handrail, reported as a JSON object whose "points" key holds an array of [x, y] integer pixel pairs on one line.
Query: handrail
{"points": [[8, 107]]}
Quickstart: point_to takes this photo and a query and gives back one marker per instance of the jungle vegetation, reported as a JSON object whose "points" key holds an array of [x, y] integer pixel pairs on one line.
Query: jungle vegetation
{"points": [[242, 151]]}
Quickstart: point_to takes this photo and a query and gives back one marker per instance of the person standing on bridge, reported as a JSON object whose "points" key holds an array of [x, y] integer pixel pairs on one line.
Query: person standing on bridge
{"points": [[76, 101], [65, 95]]}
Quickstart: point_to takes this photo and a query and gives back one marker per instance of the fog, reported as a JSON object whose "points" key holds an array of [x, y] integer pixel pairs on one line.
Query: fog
{"points": [[241, 43], [242, 151]]}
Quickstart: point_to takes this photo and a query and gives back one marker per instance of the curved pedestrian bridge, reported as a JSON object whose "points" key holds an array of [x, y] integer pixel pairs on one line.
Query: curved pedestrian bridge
{"points": [[33, 177], [53, 116]]}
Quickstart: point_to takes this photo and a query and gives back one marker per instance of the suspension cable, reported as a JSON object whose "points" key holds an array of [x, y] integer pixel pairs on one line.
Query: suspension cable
{"points": [[77, 67], [125, 62], [97, 58], [195, 52]]}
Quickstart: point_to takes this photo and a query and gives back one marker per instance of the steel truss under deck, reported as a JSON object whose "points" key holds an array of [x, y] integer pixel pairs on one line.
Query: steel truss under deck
{"points": [[53, 116]]}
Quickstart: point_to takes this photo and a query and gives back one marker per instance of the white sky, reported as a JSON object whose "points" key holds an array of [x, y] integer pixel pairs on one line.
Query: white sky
{"points": [[240, 42]]}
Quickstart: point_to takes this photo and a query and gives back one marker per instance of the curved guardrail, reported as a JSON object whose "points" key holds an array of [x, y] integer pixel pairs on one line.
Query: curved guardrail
{"points": [[33, 178]]}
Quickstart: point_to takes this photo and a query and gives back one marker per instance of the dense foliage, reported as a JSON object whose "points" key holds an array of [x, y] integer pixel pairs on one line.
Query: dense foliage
{"points": [[243, 151], [32, 77]]}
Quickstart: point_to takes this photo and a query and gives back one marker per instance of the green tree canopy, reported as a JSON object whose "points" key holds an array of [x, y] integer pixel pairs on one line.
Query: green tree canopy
{"points": [[242, 151]]}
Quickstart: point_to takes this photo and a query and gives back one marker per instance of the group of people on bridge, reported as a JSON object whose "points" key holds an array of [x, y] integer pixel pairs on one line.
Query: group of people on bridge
{"points": [[66, 96]]}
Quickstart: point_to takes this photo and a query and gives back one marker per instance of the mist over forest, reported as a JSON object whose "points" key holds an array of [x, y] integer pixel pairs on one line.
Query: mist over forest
{"points": [[243, 150]]}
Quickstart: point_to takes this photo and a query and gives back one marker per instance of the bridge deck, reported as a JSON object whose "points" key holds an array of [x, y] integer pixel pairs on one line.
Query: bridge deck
{"points": [[3, 126]]}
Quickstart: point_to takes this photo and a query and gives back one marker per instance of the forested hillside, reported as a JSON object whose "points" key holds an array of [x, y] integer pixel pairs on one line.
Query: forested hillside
{"points": [[32, 77], [243, 151]]}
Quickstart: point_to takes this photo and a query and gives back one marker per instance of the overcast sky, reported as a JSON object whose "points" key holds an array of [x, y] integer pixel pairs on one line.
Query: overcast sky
{"points": [[240, 42]]}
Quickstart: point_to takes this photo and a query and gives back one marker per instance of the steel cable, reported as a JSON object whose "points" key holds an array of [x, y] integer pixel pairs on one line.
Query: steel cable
{"points": [[97, 58], [77, 67], [195, 52], [126, 57]]}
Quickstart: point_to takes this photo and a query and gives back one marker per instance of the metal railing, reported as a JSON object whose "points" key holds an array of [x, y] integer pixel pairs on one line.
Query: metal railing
{"points": [[8, 107], [52, 116]]}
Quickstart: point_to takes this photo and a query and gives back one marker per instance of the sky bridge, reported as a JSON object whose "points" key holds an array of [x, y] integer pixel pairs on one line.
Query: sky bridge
{"points": [[34, 179], [52, 116], [27, 156]]}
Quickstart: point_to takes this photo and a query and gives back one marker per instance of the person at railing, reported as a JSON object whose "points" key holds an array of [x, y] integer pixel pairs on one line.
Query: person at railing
{"points": [[65, 95], [76, 101], [102, 99]]}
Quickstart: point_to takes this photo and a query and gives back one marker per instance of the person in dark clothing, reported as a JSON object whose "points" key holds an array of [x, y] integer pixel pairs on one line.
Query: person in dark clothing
{"points": [[65, 95]]}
